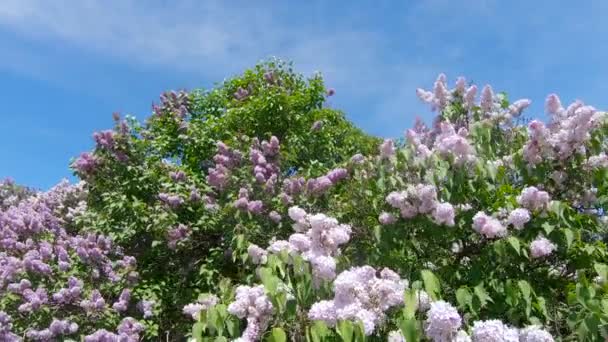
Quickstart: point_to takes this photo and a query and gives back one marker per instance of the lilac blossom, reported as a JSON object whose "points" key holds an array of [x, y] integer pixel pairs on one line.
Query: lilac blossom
{"points": [[541, 247]]}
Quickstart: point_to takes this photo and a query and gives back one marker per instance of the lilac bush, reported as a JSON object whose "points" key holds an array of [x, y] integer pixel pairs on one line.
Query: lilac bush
{"points": [[256, 212], [497, 226]]}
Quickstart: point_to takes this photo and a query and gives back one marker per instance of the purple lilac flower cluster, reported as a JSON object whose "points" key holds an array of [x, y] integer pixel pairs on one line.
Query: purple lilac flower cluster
{"points": [[41, 264], [225, 160], [264, 158], [172, 103]]}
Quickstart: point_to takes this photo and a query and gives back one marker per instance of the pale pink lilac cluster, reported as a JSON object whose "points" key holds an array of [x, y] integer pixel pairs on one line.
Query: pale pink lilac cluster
{"points": [[275, 216], [488, 226], [443, 322], [535, 333], [534, 199], [490, 103], [599, 161], [253, 304], [387, 218], [387, 149], [541, 247], [415, 139], [493, 330], [452, 144], [361, 295], [518, 218], [317, 238], [422, 199], [440, 96], [566, 135], [205, 303], [257, 254]]}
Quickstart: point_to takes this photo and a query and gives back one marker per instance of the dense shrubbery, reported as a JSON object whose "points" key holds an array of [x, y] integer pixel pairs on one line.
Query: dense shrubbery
{"points": [[255, 212]]}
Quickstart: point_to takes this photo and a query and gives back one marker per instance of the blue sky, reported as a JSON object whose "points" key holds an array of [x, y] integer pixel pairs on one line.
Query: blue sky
{"points": [[65, 66]]}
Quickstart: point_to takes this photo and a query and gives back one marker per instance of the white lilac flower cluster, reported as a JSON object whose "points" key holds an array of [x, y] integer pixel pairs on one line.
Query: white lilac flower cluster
{"points": [[361, 295], [317, 239], [541, 247], [204, 303], [443, 324], [421, 199], [253, 304]]}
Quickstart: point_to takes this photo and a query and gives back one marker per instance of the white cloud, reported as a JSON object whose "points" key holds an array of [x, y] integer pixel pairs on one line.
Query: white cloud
{"points": [[214, 39], [371, 68]]}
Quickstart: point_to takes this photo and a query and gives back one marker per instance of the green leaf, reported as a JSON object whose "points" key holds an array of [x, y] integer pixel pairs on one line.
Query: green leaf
{"points": [[197, 331], [514, 242], [411, 303], [602, 271], [525, 289], [378, 233], [270, 281], [232, 325], [464, 297], [346, 330], [359, 332], [319, 331], [431, 284], [526, 292], [278, 335], [409, 329], [569, 234], [482, 295], [548, 228]]}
